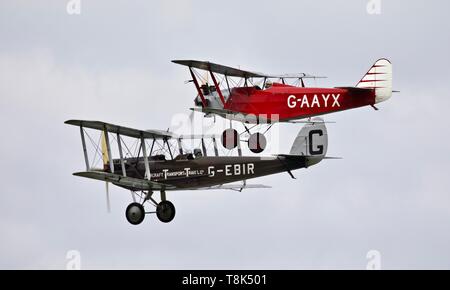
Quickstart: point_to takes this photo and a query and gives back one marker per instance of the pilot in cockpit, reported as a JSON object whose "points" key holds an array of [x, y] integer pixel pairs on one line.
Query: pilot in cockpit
{"points": [[190, 156], [198, 153]]}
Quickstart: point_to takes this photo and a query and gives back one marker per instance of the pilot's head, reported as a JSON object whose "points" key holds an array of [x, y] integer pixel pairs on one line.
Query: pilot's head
{"points": [[268, 84], [197, 153]]}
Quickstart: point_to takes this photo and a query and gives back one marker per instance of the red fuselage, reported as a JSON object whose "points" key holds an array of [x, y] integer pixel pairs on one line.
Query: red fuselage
{"points": [[284, 102]]}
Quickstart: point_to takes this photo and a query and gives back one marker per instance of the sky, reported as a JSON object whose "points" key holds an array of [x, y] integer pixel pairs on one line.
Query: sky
{"points": [[390, 193]]}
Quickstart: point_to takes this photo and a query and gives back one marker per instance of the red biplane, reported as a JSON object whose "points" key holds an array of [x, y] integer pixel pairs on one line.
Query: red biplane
{"points": [[256, 98]]}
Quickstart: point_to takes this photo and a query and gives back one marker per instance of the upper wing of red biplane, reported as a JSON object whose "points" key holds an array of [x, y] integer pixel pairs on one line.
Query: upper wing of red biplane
{"points": [[234, 72]]}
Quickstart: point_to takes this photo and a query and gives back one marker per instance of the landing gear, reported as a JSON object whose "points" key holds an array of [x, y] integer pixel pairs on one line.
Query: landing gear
{"points": [[165, 211], [230, 138], [135, 213], [257, 143]]}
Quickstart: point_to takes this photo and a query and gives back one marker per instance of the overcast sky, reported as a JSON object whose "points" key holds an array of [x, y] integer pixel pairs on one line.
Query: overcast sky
{"points": [[390, 193]]}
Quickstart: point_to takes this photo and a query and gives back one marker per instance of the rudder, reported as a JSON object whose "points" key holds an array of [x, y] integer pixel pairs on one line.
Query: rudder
{"points": [[379, 78], [311, 141]]}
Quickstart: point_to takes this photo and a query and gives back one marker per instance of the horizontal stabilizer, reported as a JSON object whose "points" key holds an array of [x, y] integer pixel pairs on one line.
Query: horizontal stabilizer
{"points": [[305, 156]]}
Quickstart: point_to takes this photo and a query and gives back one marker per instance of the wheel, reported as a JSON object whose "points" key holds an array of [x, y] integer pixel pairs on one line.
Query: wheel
{"points": [[257, 143], [165, 211], [135, 213], [230, 138]]}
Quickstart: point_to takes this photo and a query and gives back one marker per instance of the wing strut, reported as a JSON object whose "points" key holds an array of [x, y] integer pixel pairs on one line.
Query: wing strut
{"points": [[228, 84], [144, 153], [122, 163], [168, 147], [216, 151], [83, 142], [239, 147], [108, 148], [198, 88], [205, 153], [217, 88], [153, 145], [180, 148]]}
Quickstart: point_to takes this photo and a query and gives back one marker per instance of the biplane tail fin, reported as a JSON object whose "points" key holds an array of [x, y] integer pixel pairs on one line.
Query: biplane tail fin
{"points": [[311, 141], [379, 78]]}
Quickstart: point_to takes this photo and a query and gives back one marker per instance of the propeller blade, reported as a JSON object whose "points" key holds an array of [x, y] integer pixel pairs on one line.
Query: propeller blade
{"points": [[105, 157], [108, 202]]}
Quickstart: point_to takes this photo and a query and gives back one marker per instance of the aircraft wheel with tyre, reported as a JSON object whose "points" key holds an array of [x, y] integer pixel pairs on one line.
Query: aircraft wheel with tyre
{"points": [[230, 138], [165, 211], [135, 213], [257, 142]]}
